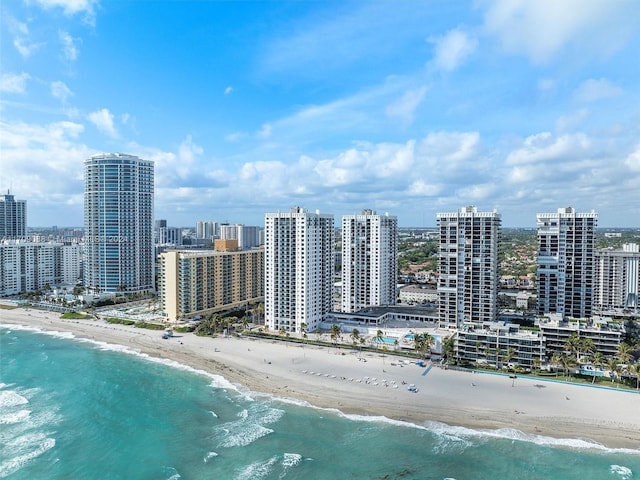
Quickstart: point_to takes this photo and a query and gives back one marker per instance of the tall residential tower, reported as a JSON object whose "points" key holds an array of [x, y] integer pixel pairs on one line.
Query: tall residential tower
{"points": [[118, 221], [566, 262], [299, 269], [468, 267], [369, 260], [13, 217]]}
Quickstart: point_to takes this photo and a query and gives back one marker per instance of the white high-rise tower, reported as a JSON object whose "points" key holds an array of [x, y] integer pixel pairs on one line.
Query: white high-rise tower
{"points": [[369, 260], [299, 269], [118, 221], [565, 275], [468, 267]]}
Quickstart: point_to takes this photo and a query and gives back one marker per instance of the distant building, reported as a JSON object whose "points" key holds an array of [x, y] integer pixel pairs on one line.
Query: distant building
{"points": [[199, 283], [565, 274], [617, 280], [118, 218], [169, 236], [369, 260], [418, 294], [206, 230], [246, 235], [13, 217], [468, 267], [299, 269]]}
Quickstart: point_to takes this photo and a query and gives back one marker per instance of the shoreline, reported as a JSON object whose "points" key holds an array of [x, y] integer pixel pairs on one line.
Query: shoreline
{"points": [[339, 379]]}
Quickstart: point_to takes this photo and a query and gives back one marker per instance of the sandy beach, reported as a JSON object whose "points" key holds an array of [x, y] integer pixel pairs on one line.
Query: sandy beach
{"points": [[342, 379]]}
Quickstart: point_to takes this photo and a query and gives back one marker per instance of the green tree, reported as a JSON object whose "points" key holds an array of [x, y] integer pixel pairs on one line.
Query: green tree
{"points": [[355, 336], [335, 334]]}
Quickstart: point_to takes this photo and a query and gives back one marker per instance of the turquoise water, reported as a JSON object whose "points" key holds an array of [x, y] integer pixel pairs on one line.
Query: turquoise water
{"points": [[70, 409]]}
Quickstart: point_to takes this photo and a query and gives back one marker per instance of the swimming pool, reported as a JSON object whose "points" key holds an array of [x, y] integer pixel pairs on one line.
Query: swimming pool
{"points": [[386, 340]]}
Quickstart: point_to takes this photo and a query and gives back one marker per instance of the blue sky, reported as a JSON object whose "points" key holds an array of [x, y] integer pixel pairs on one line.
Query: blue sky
{"points": [[407, 107]]}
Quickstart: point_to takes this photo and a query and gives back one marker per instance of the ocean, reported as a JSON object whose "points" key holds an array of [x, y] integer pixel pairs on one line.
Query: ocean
{"points": [[75, 409]]}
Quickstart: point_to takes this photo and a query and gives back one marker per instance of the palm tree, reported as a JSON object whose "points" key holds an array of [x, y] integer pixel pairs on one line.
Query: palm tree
{"points": [[612, 366], [597, 361], [303, 330], [624, 353], [511, 354], [355, 336], [379, 335], [635, 371], [335, 334], [573, 345], [282, 331]]}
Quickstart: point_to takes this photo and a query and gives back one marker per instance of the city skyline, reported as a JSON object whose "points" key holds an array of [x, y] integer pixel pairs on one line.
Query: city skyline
{"points": [[410, 108]]}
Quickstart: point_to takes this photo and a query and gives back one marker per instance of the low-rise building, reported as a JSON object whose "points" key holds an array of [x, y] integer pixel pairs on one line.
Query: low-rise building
{"points": [[606, 338], [418, 294]]}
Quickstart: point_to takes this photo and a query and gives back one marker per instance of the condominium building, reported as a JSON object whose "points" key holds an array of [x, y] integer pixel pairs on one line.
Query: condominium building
{"points": [[299, 269], [13, 217], [118, 219], [617, 281], [203, 282], [468, 266], [566, 262], [71, 263], [246, 235], [369, 260], [29, 266], [206, 230]]}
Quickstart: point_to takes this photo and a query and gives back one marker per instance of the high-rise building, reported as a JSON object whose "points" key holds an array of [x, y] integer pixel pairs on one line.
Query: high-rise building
{"points": [[118, 219], [369, 260], [29, 266], [299, 269], [468, 267], [566, 262], [199, 283], [247, 236], [617, 280], [13, 217], [206, 230]]}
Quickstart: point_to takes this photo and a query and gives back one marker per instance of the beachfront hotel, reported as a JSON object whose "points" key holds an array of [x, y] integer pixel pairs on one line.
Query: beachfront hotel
{"points": [[118, 223], [617, 281], [13, 217], [194, 283], [299, 269], [369, 260], [566, 255], [468, 267]]}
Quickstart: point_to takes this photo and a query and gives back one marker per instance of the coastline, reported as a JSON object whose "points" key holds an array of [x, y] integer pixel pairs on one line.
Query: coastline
{"points": [[342, 381]]}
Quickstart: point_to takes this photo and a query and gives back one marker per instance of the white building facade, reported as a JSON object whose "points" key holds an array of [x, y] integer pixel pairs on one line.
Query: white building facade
{"points": [[369, 260], [617, 281], [299, 269], [566, 252], [29, 266], [468, 267], [118, 218]]}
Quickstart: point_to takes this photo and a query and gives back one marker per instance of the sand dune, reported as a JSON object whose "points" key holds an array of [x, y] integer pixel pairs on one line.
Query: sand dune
{"points": [[340, 379]]}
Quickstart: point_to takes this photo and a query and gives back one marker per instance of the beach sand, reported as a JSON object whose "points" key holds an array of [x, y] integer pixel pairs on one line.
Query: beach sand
{"points": [[342, 380]]}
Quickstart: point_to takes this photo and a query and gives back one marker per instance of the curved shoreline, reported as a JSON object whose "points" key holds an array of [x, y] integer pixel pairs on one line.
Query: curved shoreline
{"points": [[340, 380]]}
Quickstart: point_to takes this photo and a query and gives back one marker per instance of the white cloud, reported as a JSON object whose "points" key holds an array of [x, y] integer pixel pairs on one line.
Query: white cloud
{"points": [[14, 82], [420, 188], [265, 131], [234, 136], [69, 48], [544, 147], [72, 7], [452, 49], [541, 29], [404, 107], [633, 160], [44, 163], [596, 89], [228, 90], [26, 49], [103, 120], [60, 91]]}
